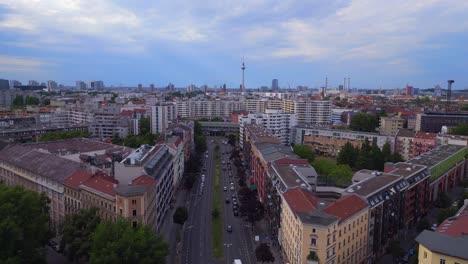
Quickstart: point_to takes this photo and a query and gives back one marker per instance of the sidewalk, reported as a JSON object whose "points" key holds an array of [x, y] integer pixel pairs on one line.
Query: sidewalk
{"points": [[169, 229], [262, 230]]}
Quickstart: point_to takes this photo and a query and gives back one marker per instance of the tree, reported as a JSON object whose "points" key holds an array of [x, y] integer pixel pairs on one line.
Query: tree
{"points": [[145, 126], [263, 253], [461, 129], [446, 213], [19, 100], [422, 225], [232, 140], [376, 160], [180, 215], [364, 155], [387, 152], [77, 233], [245, 194], [64, 135], [304, 152], [396, 250], [24, 225], [323, 166], [348, 155], [364, 122], [116, 139], [444, 200], [119, 242], [342, 174], [252, 209]]}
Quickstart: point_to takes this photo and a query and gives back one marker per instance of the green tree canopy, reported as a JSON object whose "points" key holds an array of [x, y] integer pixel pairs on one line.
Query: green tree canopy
{"points": [[64, 135], [145, 126], [180, 215], [118, 242], [461, 129], [342, 174], [24, 229], [304, 152], [77, 233], [263, 253], [364, 122], [348, 155]]}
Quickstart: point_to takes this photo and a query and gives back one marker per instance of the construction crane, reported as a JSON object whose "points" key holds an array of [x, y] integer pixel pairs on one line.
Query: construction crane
{"points": [[449, 95]]}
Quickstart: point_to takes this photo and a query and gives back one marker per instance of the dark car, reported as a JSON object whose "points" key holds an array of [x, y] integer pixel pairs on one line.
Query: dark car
{"points": [[236, 212], [235, 206], [227, 200], [229, 228]]}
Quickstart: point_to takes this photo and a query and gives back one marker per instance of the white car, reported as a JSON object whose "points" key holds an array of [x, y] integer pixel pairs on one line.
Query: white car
{"points": [[225, 189], [232, 188]]}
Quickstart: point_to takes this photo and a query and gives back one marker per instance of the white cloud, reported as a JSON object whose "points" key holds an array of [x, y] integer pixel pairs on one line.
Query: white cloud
{"points": [[341, 30], [12, 64]]}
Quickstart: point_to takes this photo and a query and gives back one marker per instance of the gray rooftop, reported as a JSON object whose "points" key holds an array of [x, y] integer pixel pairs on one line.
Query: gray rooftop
{"points": [[39, 162], [317, 217], [443, 244], [403, 132], [437, 155], [372, 185], [272, 152], [130, 190], [219, 124]]}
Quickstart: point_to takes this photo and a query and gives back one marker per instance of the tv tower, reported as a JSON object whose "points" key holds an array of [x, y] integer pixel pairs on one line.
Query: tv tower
{"points": [[243, 69]]}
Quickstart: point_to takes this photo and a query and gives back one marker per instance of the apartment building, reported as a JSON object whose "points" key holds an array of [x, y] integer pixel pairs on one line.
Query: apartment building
{"points": [[277, 122], [314, 231], [433, 122], [390, 125], [176, 148], [208, 108], [404, 143], [261, 105], [155, 162], [447, 244], [39, 171], [162, 115], [422, 143], [330, 141], [313, 112]]}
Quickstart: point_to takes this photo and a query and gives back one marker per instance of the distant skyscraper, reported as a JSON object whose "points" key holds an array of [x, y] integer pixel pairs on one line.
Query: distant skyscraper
{"points": [[51, 85], [140, 86], [340, 87], [438, 91], [33, 83], [191, 88], [204, 88], [152, 87], [80, 85], [4, 85], [409, 90], [275, 84], [224, 88], [14, 83]]}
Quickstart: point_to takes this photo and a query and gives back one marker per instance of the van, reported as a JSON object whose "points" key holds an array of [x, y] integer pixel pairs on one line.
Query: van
{"points": [[237, 261]]}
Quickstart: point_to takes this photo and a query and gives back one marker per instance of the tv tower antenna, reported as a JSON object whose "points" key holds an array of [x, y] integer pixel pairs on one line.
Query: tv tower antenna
{"points": [[243, 76]]}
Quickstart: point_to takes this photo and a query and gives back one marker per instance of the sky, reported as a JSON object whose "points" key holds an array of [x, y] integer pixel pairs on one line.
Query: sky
{"points": [[376, 43]]}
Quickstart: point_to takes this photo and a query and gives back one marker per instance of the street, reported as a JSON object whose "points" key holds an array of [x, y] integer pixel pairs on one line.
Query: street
{"points": [[196, 246]]}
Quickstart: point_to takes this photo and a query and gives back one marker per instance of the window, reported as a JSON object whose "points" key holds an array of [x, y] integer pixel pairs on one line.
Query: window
{"points": [[425, 254], [121, 212], [134, 212], [134, 223], [133, 202], [313, 230], [442, 261], [313, 241]]}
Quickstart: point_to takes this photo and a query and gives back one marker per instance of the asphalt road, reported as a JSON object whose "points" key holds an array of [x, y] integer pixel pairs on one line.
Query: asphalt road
{"points": [[196, 247]]}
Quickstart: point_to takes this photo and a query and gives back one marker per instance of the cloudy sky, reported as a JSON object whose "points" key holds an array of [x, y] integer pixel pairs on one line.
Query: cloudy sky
{"points": [[378, 43]]}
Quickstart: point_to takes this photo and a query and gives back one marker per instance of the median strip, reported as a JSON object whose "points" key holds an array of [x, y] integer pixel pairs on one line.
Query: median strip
{"points": [[216, 212]]}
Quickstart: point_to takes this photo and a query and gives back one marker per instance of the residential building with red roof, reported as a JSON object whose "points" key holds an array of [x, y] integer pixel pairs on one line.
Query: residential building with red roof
{"points": [[319, 231], [422, 143]]}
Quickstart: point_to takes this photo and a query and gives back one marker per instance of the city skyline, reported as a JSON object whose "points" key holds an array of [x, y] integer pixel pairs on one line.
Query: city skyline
{"points": [[376, 43]]}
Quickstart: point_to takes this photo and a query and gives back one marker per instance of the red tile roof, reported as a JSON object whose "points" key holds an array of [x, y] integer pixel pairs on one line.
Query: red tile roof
{"points": [[346, 206], [291, 161], [77, 178], [454, 226], [300, 201], [425, 135], [140, 111], [144, 180], [126, 112], [102, 183]]}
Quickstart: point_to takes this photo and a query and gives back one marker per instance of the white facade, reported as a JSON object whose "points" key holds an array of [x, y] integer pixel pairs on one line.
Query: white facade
{"points": [[314, 112], [51, 86], [162, 115], [208, 108], [299, 131], [277, 122]]}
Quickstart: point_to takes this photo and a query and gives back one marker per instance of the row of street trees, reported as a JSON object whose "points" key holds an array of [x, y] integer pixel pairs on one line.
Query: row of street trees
{"points": [[193, 165]]}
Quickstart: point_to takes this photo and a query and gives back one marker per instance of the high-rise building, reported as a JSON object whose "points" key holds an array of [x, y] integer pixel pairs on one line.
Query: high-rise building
{"points": [[96, 85], [33, 83], [51, 85], [409, 90], [162, 115], [80, 85], [4, 85], [274, 84], [152, 87], [433, 122], [277, 122], [14, 83], [313, 112], [191, 88]]}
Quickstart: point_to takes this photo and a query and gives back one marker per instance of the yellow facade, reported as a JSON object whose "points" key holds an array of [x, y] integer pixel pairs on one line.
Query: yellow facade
{"points": [[337, 242], [427, 256]]}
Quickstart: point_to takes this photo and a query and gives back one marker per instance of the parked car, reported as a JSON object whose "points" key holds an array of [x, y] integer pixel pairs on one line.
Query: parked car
{"points": [[227, 200], [229, 228], [236, 212], [225, 189]]}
